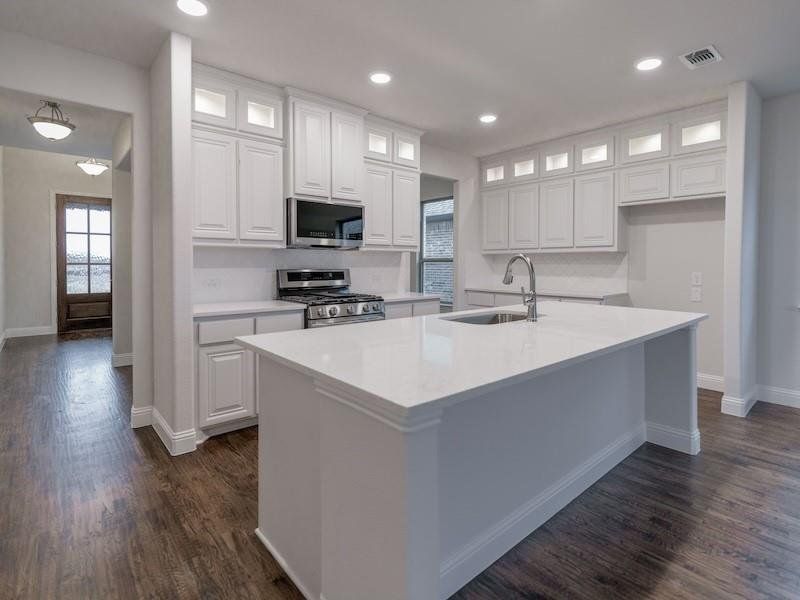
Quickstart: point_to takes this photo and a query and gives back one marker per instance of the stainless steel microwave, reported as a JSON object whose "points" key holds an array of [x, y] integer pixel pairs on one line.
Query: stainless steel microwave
{"points": [[312, 224]]}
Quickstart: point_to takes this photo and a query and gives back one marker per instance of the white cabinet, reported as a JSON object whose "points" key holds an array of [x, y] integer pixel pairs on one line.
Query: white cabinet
{"points": [[645, 142], [523, 167], [556, 214], [700, 133], [346, 155], [214, 185], [311, 149], [406, 149], [698, 176], [261, 207], [494, 173], [259, 113], [557, 159], [594, 210], [213, 102], [594, 153], [378, 142], [378, 205], [495, 220], [523, 216], [391, 142], [226, 384], [425, 307], [648, 182], [405, 208], [398, 310]]}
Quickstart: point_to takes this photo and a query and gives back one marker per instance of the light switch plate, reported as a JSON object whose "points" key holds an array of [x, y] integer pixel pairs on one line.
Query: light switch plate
{"points": [[697, 294], [697, 278]]}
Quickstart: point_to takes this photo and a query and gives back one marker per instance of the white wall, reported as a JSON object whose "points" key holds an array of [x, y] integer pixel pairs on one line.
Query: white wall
{"points": [[121, 216], [667, 242], [779, 252], [229, 274], [30, 177], [50, 70], [433, 188]]}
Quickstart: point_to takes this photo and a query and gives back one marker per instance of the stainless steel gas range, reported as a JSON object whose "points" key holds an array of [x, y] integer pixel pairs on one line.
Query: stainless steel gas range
{"points": [[327, 296]]}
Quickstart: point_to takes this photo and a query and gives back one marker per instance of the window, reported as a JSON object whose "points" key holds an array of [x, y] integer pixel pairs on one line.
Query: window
{"points": [[436, 249], [84, 262]]}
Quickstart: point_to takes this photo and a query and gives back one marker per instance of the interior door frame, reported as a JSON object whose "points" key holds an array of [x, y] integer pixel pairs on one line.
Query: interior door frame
{"points": [[54, 241]]}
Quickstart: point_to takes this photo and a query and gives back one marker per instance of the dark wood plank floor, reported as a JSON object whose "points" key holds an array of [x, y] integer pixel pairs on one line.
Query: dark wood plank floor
{"points": [[92, 509]]}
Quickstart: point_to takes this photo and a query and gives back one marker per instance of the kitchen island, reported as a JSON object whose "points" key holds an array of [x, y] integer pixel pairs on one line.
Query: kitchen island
{"points": [[398, 459]]}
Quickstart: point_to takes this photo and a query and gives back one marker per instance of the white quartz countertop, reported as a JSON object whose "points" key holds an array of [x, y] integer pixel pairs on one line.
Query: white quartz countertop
{"points": [[545, 292], [222, 309], [410, 365]]}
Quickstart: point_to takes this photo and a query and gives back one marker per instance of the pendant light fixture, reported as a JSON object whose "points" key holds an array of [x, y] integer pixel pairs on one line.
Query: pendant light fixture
{"points": [[55, 126], [92, 167]]}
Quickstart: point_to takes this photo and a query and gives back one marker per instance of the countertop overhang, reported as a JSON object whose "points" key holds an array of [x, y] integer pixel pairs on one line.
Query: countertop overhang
{"points": [[410, 368]]}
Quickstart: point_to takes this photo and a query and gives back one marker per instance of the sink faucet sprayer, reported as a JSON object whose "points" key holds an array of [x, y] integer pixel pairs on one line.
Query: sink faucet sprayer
{"points": [[528, 299]]}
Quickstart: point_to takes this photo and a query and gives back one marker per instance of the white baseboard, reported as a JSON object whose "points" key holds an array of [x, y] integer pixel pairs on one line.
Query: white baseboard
{"points": [[2, 340], [715, 383], [141, 416], [176, 442], [472, 558], [285, 566], [122, 360], [738, 407], [675, 439], [16, 332], [776, 395]]}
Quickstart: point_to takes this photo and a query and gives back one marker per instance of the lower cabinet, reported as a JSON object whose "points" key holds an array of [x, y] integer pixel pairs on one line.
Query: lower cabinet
{"points": [[226, 384], [428, 307], [399, 310]]}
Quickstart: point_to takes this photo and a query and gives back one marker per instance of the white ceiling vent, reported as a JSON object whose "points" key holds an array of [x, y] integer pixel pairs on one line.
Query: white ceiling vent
{"points": [[700, 58]]}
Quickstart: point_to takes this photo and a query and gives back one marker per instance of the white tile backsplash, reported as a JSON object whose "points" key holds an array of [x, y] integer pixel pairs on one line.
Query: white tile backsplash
{"points": [[240, 274]]}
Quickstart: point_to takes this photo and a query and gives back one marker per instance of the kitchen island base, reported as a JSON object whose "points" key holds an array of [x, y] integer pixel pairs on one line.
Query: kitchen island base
{"points": [[359, 501]]}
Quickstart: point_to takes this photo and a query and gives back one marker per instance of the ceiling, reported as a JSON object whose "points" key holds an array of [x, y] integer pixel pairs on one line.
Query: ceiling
{"points": [[546, 67], [92, 137]]}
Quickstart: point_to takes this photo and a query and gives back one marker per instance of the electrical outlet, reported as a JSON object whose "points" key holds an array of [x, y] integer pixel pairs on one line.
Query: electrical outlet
{"points": [[697, 278], [697, 294]]}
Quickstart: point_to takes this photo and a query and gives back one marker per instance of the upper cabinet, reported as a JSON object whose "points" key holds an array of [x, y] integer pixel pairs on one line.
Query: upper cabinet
{"points": [[594, 153], [523, 216], [495, 220], [260, 191], [391, 142], [523, 166], [557, 159], [700, 133], [229, 101], [494, 173], [645, 142], [594, 210], [556, 213], [347, 169], [214, 185], [405, 208]]}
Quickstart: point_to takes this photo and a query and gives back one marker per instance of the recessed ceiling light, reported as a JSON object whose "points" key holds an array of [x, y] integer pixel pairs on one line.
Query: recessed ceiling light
{"points": [[648, 64], [193, 7], [488, 118], [380, 77]]}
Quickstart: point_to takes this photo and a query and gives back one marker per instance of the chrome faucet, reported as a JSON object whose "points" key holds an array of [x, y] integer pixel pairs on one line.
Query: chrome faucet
{"points": [[528, 299]]}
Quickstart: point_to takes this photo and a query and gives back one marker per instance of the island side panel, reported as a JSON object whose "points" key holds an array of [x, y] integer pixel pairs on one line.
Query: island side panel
{"points": [[511, 459], [289, 473], [671, 390]]}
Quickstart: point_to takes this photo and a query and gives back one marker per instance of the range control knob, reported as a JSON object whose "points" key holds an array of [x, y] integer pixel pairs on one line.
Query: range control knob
{"points": [[320, 312], [376, 307], [365, 308], [351, 309], [333, 311]]}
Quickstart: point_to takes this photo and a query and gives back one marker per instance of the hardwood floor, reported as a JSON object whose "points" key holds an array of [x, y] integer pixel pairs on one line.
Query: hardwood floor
{"points": [[92, 509]]}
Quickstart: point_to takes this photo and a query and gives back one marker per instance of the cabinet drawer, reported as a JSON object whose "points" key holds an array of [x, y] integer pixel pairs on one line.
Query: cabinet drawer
{"points": [[699, 176], [398, 311], [219, 332], [279, 322], [480, 299], [429, 307], [644, 183]]}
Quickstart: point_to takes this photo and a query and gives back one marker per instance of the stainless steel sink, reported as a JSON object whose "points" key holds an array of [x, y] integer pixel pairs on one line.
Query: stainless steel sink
{"points": [[489, 318]]}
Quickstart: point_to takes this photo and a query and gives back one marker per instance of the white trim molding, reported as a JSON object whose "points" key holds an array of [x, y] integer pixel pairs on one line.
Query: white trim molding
{"points": [[738, 407], [777, 395], [176, 442], [141, 416], [285, 566], [492, 543], [122, 360], [16, 332], [715, 383], [675, 439]]}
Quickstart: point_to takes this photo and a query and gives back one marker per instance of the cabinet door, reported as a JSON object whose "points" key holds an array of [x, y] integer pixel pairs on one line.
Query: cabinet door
{"points": [[378, 206], [406, 149], [260, 113], [557, 160], [405, 208], [699, 176], [378, 142], [523, 217], [594, 210], [594, 153], [347, 156], [645, 142], [261, 206], [311, 150], [226, 384], [638, 184], [495, 220], [428, 307], [214, 185], [213, 102], [398, 310], [556, 214]]}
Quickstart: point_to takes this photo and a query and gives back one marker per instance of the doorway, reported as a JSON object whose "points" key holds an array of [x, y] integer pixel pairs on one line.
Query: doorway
{"points": [[83, 259]]}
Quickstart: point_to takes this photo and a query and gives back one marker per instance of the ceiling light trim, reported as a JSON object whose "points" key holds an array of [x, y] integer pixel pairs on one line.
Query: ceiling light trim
{"points": [[487, 118], [649, 63], [194, 8], [380, 77]]}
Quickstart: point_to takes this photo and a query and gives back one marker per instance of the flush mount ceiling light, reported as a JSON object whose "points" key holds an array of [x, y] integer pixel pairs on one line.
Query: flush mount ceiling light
{"points": [[194, 8], [380, 77], [53, 127], [92, 167], [648, 64], [487, 118]]}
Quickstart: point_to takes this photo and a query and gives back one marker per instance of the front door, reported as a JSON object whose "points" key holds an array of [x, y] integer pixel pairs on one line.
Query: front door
{"points": [[83, 246]]}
